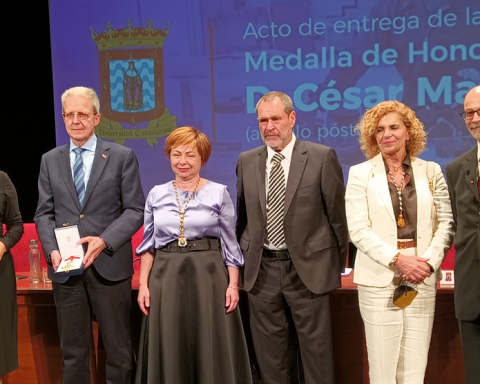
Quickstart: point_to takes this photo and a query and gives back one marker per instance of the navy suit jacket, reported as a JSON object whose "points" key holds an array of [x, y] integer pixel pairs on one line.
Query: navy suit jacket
{"points": [[113, 205]]}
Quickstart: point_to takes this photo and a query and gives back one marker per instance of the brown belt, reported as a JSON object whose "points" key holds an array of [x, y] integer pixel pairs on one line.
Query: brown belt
{"points": [[406, 244]]}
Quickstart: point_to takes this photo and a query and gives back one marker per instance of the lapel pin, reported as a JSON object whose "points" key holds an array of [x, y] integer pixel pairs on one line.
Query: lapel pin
{"points": [[104, 156], [471, 181]]}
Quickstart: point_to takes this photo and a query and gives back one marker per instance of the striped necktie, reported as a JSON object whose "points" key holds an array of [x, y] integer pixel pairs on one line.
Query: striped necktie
{"points": [[276, 202], [78, 175]]}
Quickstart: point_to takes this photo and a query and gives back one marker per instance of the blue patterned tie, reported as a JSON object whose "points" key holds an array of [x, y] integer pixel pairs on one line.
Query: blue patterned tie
{"points": [[78, 176]]}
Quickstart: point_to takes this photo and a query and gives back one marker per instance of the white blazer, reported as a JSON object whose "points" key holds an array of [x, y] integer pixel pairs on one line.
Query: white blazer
{"points": [[373, 227]]}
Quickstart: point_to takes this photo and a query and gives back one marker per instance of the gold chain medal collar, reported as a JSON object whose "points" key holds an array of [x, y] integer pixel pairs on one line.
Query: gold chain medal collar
{"points": [[182, 240], [401, 220]]}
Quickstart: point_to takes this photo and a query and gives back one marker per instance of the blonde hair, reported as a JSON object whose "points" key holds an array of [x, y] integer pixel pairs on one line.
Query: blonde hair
{"points": [[189, 136], [85, 92], [367, 127]]}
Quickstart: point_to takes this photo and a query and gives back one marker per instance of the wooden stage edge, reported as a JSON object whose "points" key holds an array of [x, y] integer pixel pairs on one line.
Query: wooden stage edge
{"points": [[40, 357]]}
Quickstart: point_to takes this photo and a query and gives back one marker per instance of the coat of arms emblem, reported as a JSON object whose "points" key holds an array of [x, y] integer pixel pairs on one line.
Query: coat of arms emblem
{"points": [[132, 86]]}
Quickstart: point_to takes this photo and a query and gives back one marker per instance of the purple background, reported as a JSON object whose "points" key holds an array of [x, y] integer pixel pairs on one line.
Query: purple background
{"points": [[187, 72]]}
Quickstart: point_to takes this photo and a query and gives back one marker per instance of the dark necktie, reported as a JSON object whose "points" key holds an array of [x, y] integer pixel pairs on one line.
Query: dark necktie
{"points": [[276, 202], [78, 175]]}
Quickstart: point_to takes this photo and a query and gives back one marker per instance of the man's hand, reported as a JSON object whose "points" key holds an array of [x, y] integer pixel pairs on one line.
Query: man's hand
{"points": [[95, 246], [56, 259]]}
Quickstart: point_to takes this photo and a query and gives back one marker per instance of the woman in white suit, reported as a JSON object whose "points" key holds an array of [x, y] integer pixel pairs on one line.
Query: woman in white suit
{"points": [[400, 219]]}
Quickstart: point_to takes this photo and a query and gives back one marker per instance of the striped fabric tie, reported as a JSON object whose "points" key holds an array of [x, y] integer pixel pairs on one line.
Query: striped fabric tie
{"points": [[78, 176], [276, 202]]}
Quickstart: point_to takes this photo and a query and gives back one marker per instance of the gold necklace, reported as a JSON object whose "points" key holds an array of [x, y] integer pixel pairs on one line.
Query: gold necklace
{"points": [[401, 220], [182, 240], [395, 168]]}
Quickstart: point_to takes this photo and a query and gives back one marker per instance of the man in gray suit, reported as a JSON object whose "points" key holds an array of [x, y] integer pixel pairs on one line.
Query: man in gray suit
{"points": [[464, 188], [292, 229], [95, 185]]}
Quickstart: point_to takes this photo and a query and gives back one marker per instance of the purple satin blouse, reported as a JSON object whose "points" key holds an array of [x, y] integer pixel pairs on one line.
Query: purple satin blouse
{"points": [[210, 213]]}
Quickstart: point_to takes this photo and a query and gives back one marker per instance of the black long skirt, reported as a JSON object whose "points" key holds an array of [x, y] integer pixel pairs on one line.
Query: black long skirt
{"points": [[188, 338], [8, 316]]}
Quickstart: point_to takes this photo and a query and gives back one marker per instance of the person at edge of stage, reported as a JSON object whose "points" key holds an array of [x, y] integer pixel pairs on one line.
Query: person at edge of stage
{"points": [[464, 187], [10, 216]]}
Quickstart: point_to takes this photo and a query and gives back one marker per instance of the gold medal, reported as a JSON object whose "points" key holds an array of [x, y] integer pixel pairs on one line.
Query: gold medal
{"points": [[69, 265], [182, 240]]}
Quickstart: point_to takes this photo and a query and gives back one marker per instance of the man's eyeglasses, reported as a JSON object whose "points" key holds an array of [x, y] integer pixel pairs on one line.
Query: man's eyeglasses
{"points": [[80, 116], [468, 115]]}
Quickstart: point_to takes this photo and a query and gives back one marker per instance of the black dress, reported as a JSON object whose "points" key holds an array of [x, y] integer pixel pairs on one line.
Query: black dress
{"points": [[10, 216]]}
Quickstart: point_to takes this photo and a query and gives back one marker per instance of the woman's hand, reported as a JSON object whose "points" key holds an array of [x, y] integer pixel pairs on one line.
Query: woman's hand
{"points": [[144, 299], [231, 296], [3, 249], [231, 299], [413, 269]]}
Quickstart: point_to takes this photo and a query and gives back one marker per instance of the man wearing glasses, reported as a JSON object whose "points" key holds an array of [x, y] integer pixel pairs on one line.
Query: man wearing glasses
{"points": [[95, 185], [292, 229], [464, 188]]}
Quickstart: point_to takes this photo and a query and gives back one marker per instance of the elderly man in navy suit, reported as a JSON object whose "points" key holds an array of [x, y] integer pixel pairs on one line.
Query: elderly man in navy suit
{"points": [[95, 185]]}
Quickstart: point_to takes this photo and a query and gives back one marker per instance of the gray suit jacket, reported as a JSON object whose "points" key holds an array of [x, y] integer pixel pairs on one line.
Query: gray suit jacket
{"points": [[463, 189], [314, 215], [113, 205]]}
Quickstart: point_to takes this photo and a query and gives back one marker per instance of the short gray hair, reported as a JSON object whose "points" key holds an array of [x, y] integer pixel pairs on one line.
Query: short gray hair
{"points": [[88, 93], [284, 98]]}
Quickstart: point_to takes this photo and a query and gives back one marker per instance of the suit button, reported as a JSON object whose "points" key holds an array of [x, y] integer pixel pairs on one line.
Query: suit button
{"points": [[82, 216]]}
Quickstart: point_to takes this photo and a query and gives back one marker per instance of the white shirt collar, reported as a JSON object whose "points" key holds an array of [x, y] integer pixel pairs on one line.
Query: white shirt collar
{"points": [[287, 151], [90, 145]]}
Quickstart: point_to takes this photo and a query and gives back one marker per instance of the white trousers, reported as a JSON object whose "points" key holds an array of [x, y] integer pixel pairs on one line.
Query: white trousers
{"points": [[397, 339]]}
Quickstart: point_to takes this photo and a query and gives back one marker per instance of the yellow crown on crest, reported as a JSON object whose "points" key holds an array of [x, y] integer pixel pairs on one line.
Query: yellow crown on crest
{"points": [[130, 36]]}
